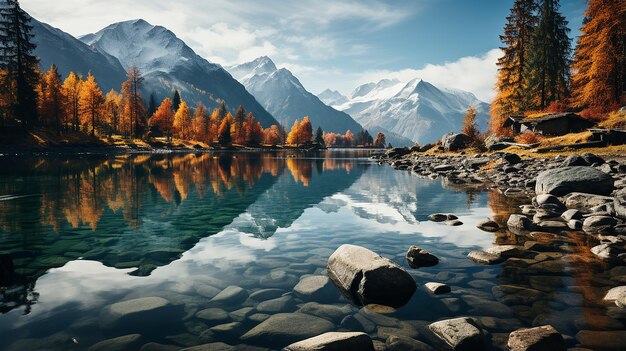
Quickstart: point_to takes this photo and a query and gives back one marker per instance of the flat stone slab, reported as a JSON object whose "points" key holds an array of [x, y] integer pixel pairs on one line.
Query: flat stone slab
{"points": [[483, 257], [143, 311], [334, 341], [462, 334], [287, 328], [314, 288], [121, 343], [538, 338], [231, 294], [565, 180]]}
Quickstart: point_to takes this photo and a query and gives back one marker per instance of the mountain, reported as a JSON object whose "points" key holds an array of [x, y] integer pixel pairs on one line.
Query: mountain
{"points": [[70, 54], [167, 63], [416, 110], [282, 94], [332, 97]]}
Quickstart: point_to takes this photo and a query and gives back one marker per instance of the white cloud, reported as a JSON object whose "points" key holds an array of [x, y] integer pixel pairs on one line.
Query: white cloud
{"points": [[476, 74]]}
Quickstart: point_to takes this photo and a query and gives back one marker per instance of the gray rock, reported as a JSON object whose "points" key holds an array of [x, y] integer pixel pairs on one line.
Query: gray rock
{"points": [[334, 341], [438, 217], [455, 142], [330, 312], [153, 346], [584, 200], [462, 334], [575, 160], [367, 277], [538, 338], [483, 257], [287, 328], [571, 214], [519, 222], [506, 251], [281, 304], [547, 199], [145, 311], [619, 206], [511, 159], [121, 343], [437, 288], [317, 288], [575, 224], [607, 252], [403, 343], [599, 224], [213, 315], [266, 294], [488, 225], [615, 293], [231, 295], [602, 340], [418, 257], [565, 180]]}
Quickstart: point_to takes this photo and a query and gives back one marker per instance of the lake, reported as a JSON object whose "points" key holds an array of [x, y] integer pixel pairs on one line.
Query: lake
{"points": [[81, 235]]}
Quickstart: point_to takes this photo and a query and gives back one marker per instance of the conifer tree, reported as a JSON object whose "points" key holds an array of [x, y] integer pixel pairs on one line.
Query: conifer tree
{"points": [[599, 68], [222, 111], [511, 66], [223, 134], [240, 117], [91, 103], [134, 106], [151, 106], [319, 136], [72, 86], [16, 56], [202, 124], [176, 100], [548, 64], [51, 99]]}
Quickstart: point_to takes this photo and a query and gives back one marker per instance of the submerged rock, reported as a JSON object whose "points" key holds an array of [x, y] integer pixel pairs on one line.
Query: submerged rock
{"points": [[437, 288], [462, 334], [488, 225], [145, 312], [121, 343], [334, 341], [565, 180], [483, 257], [538, 338], [286, 328], [418, 257], [367, 277], [231, 295], [404, 343], [314, 288]]}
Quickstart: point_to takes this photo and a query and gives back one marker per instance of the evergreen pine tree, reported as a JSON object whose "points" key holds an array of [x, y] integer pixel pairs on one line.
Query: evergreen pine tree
{"points": [[16, 56], [222, 110], [151, 106], [319, 136], [176, 100], [548, 64], [511, 74]]}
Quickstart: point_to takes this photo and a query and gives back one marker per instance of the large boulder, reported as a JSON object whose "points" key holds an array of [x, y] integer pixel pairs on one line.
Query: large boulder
{"points": [[565, 180], [462, 334], [619, 206], [368, 278], [334, 341], [454, 141]]}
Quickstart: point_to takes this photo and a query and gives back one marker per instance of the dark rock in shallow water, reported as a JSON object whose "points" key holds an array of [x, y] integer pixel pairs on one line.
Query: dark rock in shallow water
{"points": [[488, 225], [438, 217], [334, 341], [146, 312], [314, 288], [437, 288], [519, 222], [538, 338], [403, 343], [462, 334], [484, 257], [121, 343], [602, 340], [286, 328], [418, 257], [367, 277], [565, 180]]}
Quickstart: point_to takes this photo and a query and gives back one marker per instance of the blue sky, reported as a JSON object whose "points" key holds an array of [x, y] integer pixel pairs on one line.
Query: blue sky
{"points": [[337, 44]]}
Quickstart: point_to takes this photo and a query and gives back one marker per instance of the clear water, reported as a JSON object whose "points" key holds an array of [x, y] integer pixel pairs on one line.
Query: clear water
{"points": [[87, 232]]}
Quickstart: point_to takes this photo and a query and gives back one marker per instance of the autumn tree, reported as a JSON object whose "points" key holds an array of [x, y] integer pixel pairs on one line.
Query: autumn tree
{"points": [[51, 99], [163, 118], [223, 134], [20, 63], [239, 119], [272, 135], [91, 103], [252, 130], [182, 122], [293, 137], [548, 65], [511, 79], [599, 68], [72, 87], [301, 132], [133, 103], [380, 140], [202, 124], [112, 111], [469, 124], [349, 138]]}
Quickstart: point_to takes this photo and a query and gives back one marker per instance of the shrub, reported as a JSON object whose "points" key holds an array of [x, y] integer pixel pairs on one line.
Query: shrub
{"points": [[528, 138]]}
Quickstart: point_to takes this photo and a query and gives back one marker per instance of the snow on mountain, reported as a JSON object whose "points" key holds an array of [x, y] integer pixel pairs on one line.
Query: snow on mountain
{"points": [[282, 94], [70, 54], [332, 97], [167, 63], [416, 110]]}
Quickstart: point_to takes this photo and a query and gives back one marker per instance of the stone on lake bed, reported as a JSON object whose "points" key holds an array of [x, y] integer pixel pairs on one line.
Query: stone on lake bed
{"points": [[519, 222], [462, 334], [537, 338], [506, 251], [565, 180], [215, 315], [418, 257], [437, 288], [315, 288], [403, 343], [231, 295], [615, 293], [488, 225], [287, 328], [145, 311], [602, 340], [283, 303], [121, 343], [367, 277], [483, 257], [334, 341]]}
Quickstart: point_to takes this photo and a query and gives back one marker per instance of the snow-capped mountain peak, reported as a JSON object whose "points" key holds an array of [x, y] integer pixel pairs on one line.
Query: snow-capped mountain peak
{"points": [[259, 66], [332, 97]]}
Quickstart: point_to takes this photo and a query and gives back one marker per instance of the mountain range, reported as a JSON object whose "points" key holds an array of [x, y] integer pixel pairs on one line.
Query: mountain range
{"points": [[405, 112], [416, 110]]}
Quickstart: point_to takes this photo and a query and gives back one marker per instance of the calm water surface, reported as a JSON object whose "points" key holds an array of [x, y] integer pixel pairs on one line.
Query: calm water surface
{"points": [[80, 234]]}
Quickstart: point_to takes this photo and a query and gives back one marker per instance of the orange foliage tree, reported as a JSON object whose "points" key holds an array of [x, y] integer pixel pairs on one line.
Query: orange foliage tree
{"points": [[71, 90], [91, 103], [51, 100], [163, 118], [301, 132], [182, 122], [253, 130]]}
